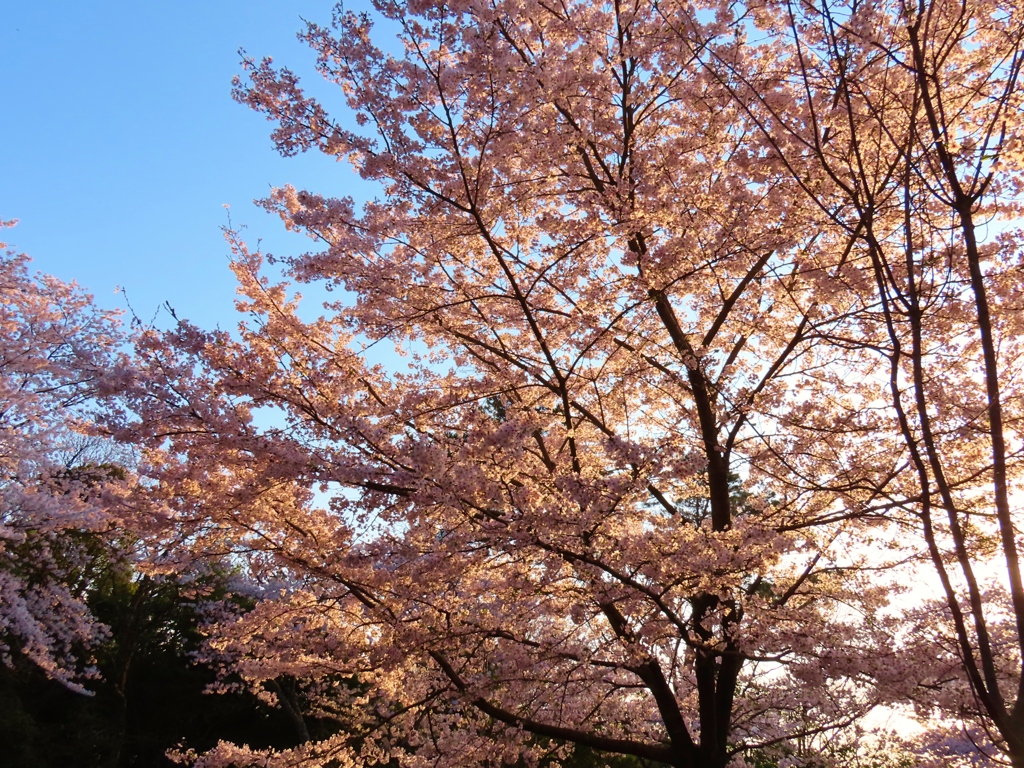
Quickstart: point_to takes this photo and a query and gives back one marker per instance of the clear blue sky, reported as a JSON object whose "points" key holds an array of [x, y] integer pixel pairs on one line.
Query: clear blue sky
{"points": [[120, 143]]}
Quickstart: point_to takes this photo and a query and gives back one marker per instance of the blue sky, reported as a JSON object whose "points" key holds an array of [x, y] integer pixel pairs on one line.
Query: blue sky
{"points": [[120, 143]]}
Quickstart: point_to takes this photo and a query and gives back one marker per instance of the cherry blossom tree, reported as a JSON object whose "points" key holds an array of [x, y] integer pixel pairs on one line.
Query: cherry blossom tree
{"points": [[571, 517], [902, 122], [54, 348]]}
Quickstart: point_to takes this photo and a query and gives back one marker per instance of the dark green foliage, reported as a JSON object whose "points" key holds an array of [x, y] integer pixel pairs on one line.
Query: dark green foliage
{"points": [[846, 754], [584, 757], [150, 696]]}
